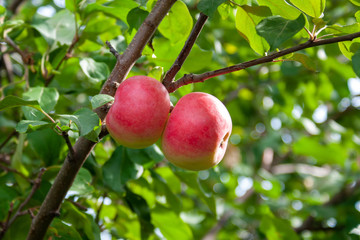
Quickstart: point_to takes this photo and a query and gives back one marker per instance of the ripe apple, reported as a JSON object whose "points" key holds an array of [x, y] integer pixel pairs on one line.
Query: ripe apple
{"points": [[197, 132], [138, 115]]}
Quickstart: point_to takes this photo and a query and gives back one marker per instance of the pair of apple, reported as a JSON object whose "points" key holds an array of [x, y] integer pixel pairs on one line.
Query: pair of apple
{"points": [[194, 136]]}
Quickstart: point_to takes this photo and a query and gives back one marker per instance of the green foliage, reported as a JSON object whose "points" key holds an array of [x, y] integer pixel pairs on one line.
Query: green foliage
{"points": [[284, 29], [100, 99], [294, 148], [208, 7]]}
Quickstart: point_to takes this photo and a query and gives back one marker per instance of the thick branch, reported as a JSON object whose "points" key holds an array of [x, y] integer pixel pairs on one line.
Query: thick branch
{"points": [[170, 75], [82, 148], [193, 78], [63, 181]]}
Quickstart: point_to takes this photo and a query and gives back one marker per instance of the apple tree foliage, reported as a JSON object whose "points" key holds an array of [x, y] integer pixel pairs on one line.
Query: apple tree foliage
{"points": [[292, 167]]}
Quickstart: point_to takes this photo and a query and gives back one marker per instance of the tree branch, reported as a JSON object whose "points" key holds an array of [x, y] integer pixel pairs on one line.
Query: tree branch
{"points": [[19, 212], [194, 78], [311, 224], [7, 169], [82, 148], [25, 56], [170, 75], [133, 51], [15, 5]]}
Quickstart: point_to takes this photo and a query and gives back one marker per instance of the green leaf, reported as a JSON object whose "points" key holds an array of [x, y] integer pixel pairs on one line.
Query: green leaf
{"points": [[9, 24], [72, 5], [356, 63], [246, 20], [61, 231], [27, 126], [59, 28], [19, 228], [173, 29], [276, 30], [82, 222], [136, 17], [82, 183], [2, 10], [198, 59], [7, 195], [139, 206], [342, 30], [170, 224], [349, 48], [46, 145], [87, 122], [117, 9], [12, 101], [313, 8], [119, 169], [95, 71], [306, 61], [281, 8], [163, 188], [331, 153], [165, 52], [100, 100], [275, 228], [46, 97], [191, 179], [17, 163], [208, 7], [156, 72], [355, 2], [147, 157]]}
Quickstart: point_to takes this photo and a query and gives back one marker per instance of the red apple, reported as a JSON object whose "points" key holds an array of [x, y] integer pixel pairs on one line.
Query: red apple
{"points": [[138, 115], [197, 132]]}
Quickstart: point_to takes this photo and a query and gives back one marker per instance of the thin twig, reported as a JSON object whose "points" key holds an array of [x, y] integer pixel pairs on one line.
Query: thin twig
{"points": [[15, 5], [7, 169], [64, 134], [7, 65], [13, 133], [170, 75], [312, 224], [26, 57], [19, 211], [6, 225], [97, 218], [68, 143], [5, 158], [78, 205], [113, 51], [193, 78]]}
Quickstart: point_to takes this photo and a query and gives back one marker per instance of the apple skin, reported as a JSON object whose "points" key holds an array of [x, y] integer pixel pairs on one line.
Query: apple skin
{"points": [[139, 113], [197, 132]]}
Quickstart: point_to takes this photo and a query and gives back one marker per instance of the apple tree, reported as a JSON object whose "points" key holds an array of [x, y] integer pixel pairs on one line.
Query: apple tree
{"points": [[287, 71]]}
